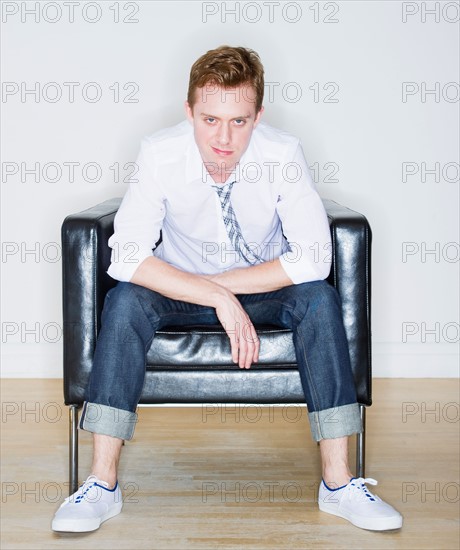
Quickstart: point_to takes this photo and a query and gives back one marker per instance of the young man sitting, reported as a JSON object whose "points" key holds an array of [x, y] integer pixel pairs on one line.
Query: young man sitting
{"points": [[245, 241]]}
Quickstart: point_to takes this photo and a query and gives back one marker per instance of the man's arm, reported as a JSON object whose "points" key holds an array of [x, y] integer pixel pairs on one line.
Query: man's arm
{"points": [[158, 275], [263, 277]]}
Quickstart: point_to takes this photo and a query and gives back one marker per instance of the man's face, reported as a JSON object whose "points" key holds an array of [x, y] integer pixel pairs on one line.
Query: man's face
{"points": [[223, 121]]}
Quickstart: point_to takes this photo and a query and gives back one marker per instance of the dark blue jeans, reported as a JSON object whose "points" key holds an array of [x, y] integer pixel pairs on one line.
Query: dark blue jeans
{"points": [[132, 314]]}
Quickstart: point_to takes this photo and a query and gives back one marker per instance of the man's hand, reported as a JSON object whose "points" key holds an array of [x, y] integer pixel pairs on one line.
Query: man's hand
{"points": [[244, 341]]}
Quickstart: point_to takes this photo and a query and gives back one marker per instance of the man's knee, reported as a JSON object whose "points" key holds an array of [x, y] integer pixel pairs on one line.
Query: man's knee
{"points": [[128, 314], [316, 297], [128, 301], [125, 293]]}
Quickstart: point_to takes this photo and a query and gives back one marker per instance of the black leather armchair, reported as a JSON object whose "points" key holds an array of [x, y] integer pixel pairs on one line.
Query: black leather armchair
{"points": [[193, 365]]}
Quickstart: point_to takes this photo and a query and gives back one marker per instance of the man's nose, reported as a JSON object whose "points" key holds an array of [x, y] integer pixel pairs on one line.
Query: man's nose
{"points": [[223, 136]]}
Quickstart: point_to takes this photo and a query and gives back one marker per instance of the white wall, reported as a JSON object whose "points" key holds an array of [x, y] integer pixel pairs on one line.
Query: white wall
{"points": [[360, 60]]}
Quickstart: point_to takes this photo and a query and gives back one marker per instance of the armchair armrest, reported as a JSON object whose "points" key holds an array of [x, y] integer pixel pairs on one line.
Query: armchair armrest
{"points": [[351, 276], [85, 260]]}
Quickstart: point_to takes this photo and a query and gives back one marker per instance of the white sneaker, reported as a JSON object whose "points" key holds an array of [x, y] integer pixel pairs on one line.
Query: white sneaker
{"points": [[358, 505], [87, 508]]}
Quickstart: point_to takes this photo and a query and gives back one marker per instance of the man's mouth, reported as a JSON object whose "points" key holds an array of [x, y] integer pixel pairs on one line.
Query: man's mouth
{"points": [[221, 152]]}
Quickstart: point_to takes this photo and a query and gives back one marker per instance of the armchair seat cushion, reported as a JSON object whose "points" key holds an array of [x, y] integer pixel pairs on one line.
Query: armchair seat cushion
{"points": [[208, 347]]}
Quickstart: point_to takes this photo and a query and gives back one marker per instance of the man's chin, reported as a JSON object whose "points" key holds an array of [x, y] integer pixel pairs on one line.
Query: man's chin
{"points": [[227, 163]]}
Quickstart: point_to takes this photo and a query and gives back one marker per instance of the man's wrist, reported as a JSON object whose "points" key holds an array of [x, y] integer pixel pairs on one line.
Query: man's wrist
{"points": [[216, 278], [218, 292]]}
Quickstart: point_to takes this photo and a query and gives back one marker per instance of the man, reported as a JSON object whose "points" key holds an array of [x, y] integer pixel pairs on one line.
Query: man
{"points": [[245, 240]]}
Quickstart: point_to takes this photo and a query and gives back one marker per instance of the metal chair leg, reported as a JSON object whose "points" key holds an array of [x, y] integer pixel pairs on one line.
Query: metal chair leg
{"points": [[361, 445], [73, 449]]}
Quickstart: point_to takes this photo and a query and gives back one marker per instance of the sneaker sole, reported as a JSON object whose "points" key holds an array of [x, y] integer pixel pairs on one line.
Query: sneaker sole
{"points": [[371, 524], [83, 526]]}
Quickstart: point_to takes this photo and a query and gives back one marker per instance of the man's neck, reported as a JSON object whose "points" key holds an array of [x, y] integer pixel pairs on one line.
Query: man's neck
{"points": [[223, 175]]}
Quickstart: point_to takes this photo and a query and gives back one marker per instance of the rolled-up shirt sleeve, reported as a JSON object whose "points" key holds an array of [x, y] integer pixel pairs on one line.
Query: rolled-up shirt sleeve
{"points": [[139, 219], [305, 224]]}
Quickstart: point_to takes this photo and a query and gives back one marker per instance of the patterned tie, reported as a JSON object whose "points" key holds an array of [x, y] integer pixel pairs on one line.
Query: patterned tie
{"points": [[233, 227]]}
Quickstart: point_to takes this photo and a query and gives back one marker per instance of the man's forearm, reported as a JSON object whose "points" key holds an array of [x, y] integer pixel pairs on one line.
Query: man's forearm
{"points": [[158, 275], [263, 277]]}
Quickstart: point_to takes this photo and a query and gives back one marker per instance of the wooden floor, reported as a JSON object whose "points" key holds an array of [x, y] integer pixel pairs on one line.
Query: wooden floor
{"points": [[209, 478]]}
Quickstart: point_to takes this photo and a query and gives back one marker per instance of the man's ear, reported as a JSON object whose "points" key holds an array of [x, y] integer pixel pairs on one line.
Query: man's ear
{"points": [[258, 115], [188, 112]]}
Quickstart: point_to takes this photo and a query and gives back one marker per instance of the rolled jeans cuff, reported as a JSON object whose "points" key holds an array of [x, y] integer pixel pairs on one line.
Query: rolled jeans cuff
{"points": [[335, 422], [102, 419]]}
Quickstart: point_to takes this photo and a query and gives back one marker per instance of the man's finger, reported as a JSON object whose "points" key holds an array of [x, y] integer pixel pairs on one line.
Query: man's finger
{"points": [[256, 344], [243, 351], [253, 344], [257, 349], [234, 348]]}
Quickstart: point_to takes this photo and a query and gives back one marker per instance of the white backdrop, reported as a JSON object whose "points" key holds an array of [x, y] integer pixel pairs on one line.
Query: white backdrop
{"points": [[371, 88]]}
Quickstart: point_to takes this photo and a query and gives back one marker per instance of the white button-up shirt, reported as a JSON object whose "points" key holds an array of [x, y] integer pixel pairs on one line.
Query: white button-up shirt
{"points": [[274, 199]]}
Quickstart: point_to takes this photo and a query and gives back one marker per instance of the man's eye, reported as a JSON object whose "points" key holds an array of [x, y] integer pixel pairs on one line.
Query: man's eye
{"points": [[210, 119], [239, 121]]}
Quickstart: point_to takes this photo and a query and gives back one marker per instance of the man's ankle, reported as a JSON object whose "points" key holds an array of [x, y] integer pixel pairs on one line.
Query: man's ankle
{"points": [[334, 480], [109, 478]]}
